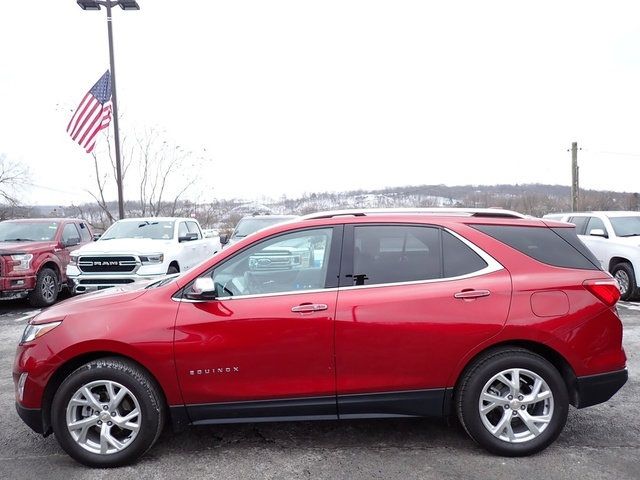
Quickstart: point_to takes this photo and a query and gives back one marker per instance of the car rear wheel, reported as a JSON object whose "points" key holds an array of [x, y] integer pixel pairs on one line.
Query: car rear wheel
{"points": [[512, 402], [107, 413], [626, 278], [46, 290]]}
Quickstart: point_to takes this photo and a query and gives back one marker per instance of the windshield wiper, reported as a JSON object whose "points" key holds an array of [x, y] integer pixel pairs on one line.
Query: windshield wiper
{"points": [[18, 240], [630, 235]]}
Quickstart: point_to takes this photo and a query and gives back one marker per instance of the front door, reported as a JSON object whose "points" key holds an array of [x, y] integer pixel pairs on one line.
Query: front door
{"points": [[413, 300], [264, 346]]}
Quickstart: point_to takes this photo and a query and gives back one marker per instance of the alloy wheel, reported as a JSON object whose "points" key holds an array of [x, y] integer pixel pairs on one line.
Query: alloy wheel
{"points": [[103, 417], [623, 281], [516, 405], [48, 288]]}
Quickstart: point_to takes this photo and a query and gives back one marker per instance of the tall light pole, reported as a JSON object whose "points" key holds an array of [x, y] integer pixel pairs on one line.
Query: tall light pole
{"points": [[125, 5]]}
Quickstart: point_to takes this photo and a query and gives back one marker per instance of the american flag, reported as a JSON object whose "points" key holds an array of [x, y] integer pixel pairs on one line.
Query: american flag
{"points": [[92, 115]]}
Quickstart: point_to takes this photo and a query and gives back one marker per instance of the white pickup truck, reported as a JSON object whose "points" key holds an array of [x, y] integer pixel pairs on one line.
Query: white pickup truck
{"points": [[614, 238], [139, 249]]}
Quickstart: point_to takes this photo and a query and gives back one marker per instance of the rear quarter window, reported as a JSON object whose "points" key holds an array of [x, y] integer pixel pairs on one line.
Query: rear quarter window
{"points": [[555, 247]]}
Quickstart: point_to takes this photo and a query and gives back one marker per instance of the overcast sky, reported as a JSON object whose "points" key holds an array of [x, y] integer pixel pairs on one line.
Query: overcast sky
{"points": [[295, 96]]}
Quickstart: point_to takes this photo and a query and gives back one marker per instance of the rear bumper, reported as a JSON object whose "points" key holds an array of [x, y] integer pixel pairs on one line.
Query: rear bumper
{"points": [[32, 417], [595, 389]]}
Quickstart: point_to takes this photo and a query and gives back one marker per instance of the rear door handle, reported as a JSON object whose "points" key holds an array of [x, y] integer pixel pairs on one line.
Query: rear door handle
{"points": [[471, 294], [309, 307]]}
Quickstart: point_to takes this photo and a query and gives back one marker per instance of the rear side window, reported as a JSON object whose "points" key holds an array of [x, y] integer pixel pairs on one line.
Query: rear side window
{"points": [[392, 254], [543, 244], [459, 259]]}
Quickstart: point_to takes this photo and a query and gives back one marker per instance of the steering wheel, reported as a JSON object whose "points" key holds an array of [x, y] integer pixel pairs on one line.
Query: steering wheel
{"points": [[226, 289]]}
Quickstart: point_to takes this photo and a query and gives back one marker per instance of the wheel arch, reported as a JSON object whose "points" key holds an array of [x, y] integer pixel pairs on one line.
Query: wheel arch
{"points": [[552, 356], [616, 260], [49, 263], [64, 370]]}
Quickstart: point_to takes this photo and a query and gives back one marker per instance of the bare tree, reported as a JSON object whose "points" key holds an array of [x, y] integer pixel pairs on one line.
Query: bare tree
{"points": [[162, 172], [13, 176]]}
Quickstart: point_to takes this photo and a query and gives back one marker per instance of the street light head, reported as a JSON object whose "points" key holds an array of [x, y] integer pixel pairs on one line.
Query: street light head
{"points": [[88, 4], [129, 5]]}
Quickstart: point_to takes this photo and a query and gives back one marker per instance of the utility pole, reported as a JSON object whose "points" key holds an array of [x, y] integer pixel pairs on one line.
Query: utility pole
{"points": [[125, 5], [575, 185]]}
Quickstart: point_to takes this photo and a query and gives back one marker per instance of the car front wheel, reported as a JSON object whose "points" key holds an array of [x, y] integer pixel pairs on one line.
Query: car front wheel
{"points": [[107, 413], [512, 402], [45, 292]]}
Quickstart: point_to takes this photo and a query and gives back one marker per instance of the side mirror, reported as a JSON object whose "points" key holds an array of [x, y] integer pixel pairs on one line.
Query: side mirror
{"points": [[188, 237], [203, 288], [598, 232], [72, 242], [224, 239]]}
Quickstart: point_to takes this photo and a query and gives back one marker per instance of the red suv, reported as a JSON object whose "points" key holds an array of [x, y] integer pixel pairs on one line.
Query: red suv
{"points": [[34, 254], [499, 319]]}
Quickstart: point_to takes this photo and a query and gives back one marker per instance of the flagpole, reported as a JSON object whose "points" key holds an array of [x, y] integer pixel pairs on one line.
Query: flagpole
{"points": [[114, 102]]}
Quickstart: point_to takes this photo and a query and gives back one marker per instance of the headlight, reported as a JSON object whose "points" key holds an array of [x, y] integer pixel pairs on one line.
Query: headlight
{"points": [[73, 259], [22, 261], [31, 332], [153, 258]]}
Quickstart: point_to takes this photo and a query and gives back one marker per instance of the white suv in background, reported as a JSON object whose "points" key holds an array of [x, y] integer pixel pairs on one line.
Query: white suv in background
{"points": [[139, 249], [614, 238]]}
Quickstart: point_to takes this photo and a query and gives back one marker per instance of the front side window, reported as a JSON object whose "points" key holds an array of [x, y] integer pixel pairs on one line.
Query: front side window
{"points": [[84, 232], [392, 254], [193, 228], [595, 224], [70, 235], [286, 263], [580, 223]]}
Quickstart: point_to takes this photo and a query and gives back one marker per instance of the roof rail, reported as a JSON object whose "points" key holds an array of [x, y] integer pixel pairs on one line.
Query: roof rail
{"points": [[465, 212]]}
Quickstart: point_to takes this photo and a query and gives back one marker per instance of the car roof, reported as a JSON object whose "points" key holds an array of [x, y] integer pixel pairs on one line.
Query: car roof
{"points": [[606, 213], [273, 217], [26, 220], [157, 219]]}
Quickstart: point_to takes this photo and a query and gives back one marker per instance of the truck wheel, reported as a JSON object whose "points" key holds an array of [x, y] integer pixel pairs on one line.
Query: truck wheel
{"points": [[46, 290], [626, 278]]}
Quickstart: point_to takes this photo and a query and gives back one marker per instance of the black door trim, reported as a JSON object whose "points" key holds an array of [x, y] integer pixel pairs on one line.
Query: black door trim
{"points": [[413, 403]]}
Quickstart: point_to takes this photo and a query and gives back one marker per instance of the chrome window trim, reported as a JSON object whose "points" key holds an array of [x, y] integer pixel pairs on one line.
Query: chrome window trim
{"points": [[492, 266]]}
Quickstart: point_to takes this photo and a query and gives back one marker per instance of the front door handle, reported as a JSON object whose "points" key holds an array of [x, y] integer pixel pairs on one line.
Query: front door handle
{"points": [[471, 294], [309, 307]]}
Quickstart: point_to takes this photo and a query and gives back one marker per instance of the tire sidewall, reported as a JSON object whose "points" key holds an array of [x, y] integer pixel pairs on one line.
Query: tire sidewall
{"points": [[36, 297], [471, 415], [628, 269], [149, 405]]}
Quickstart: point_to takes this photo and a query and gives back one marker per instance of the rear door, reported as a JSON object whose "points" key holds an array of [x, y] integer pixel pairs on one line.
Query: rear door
{"points": [[413, 300]]}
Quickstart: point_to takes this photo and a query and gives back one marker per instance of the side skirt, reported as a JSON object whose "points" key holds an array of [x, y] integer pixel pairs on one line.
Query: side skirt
{"points": [[415, 403]]}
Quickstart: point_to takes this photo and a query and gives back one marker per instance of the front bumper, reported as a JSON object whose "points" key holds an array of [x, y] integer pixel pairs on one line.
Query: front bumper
{"points": [[595, 389], [16, 287], [92, 283], [32, 417]]}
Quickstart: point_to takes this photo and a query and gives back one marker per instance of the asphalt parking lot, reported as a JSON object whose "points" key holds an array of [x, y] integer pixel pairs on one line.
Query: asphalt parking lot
{"points": [[598, 443]]}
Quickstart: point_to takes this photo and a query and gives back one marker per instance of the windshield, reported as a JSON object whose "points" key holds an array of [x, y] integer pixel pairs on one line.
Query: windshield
{"points": [[28, 231], [250, 225], [140, 229], [626, 226]]}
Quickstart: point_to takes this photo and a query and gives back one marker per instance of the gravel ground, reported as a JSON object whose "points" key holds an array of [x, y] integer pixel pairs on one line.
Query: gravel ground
{"points": [[598, 443]]}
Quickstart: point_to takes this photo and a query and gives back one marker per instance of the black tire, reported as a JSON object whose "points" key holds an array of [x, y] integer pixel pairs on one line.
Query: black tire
{"points": [[625, 270], [478, 374], [46, 290], [173, 269], [143, 388]]}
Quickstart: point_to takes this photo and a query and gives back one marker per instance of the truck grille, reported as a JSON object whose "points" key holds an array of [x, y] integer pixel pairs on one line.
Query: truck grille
{"points": [[107, 264]]}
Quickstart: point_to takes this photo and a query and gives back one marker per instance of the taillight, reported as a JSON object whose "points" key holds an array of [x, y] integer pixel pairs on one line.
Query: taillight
{"points": [[605, 290]]}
